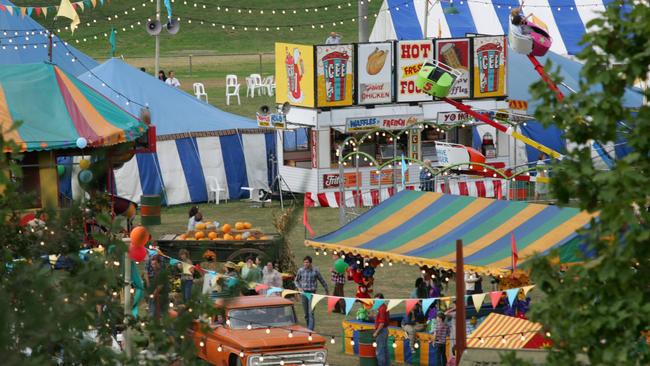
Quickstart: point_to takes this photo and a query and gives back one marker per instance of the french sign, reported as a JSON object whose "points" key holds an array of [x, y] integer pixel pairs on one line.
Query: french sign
{"points": [[386, 123]]}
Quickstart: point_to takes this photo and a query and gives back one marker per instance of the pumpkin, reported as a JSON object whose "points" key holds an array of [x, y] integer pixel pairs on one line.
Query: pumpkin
{"points": [[182, 237], [265, 238], [200, 226], [227, 237], [226, 228], [238, 237], [239, 226], [199, 235], [212, 235], [248, 225], [251, 238]]}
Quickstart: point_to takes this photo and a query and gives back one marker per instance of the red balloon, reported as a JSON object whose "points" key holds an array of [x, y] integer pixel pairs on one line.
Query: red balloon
{"points": [[139, 236], [137, 254]]}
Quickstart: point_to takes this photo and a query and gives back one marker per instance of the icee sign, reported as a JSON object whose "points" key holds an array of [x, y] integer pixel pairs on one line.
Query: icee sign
{"points": [[410, 57]]}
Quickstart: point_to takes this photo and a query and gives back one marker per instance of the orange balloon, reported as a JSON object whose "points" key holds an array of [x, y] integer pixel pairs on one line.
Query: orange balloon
{"points": [[139, 236], [226, 228]]}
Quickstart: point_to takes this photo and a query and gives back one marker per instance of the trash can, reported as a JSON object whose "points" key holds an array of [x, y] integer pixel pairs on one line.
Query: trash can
{"points": [[150, 209], [367, 355]]}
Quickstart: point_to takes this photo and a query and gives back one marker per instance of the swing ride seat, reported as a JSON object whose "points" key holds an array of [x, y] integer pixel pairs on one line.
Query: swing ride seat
{"points": [[436, 78], [537, 43]]}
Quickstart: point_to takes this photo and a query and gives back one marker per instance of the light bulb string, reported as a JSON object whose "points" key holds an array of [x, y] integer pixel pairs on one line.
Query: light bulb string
{"points": [[229, 8]]}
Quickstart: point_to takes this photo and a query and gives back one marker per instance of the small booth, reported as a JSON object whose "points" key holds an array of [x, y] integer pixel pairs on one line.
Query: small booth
{"points": [[48, 115], [340, 92]]}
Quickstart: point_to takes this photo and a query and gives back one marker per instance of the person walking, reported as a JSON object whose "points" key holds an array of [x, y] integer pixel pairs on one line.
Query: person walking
{"points": [[426, 177], [172, 81], [306, 282], [158, 288], [338, 279], [440, 341], [381, 333]]}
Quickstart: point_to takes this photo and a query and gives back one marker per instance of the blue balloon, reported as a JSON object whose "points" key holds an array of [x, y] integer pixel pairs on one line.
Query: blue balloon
{"points": [[85, 176], [82, 142]]}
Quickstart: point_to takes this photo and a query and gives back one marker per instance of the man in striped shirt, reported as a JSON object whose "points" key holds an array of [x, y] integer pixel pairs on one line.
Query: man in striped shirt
{"points": [[440, 342]]}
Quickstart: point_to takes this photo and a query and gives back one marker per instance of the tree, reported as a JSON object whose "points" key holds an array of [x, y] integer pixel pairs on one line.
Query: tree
{"points": [[68, 315], [601, 308]]}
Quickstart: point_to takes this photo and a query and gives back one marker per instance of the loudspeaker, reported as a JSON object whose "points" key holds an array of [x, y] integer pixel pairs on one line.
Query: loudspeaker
{"points": [[173, 26], [286, 107], [264, 110], [154, 27]]}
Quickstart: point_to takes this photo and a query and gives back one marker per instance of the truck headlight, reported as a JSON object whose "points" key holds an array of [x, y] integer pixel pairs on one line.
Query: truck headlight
{"points": [[254, 361], [321, 356]]}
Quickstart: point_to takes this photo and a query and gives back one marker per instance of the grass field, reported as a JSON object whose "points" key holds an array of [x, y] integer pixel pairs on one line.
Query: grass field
{"points": [[395, 282]]}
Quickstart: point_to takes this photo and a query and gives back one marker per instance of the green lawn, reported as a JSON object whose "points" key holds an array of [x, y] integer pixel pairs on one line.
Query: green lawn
{"points": [[395, 282]]}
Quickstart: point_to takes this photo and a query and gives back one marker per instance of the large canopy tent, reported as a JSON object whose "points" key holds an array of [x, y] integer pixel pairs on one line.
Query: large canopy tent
{"points": [[195, 141], [42, 108], [23, 40], [421, 228]]}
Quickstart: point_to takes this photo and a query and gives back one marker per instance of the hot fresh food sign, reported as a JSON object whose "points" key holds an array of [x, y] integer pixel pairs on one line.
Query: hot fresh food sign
{"points": [[386, 123], [374, 73], [410, 56]]}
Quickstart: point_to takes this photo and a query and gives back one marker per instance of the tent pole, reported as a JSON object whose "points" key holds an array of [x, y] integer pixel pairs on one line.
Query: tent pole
{"points": [[157, 56], [341, 191], [461, 336]]}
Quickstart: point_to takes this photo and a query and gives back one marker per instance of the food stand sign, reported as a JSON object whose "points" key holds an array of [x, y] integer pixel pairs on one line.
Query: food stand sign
{"points": [[374, 73], [263, 120], [278, 120], [386, 176], [386, 123], [334, 75], [410, 55], [294, 70], [452, 118], [455, 53], [333, 180], [490, 54]]}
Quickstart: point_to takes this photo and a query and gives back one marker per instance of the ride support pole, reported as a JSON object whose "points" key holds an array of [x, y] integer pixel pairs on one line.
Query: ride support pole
{"points": [[540, 70], [507, 130], [461, 335]]}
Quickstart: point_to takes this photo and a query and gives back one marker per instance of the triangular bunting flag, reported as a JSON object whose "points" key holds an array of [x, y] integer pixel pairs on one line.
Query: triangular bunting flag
{"points": [[447, 301], [286, 293], [23, 11], [527, 289], [94, 2], [187, 268], [392, 303], [10, 9], [101, 2], [331, 302], [81, 5], [29, 11], [2, 8], [315, 299], [512, 295], [477, 299], [410, 304], [349, 301], [495, 296], [377, 304], [426, 304], [44, 9], [67, 10], [152, 252], [307, 295], [38, 11], [273, 290], [260, 287], [173, 261]]}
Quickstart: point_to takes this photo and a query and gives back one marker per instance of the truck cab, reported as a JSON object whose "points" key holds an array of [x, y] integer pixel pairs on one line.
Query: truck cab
{"points": [[258, 331]]}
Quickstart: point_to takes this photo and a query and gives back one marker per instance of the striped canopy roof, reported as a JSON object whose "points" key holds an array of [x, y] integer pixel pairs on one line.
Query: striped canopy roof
{"points": [[497, 327], [55, 109], [421, 228]]}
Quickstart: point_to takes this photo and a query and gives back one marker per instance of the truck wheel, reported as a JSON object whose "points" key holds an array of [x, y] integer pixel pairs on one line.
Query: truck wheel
{"points": [[234, 361], [242, 254]]}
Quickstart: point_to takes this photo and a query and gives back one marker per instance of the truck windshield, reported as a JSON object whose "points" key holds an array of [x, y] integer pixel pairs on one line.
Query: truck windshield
{"points": [[276, 316]]}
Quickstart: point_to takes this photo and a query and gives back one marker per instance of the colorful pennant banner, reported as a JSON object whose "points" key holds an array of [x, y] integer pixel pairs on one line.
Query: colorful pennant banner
{"points": [[27, 10]]}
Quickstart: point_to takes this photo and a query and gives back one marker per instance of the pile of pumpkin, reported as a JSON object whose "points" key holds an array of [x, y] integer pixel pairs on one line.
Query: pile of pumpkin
{"points": [[238, 231]]}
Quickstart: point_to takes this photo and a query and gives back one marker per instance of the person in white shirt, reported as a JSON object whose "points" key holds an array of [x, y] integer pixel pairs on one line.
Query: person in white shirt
{"points": [[172, 81], [518, 20], [272, 277], [334, 38], [470, 282]]}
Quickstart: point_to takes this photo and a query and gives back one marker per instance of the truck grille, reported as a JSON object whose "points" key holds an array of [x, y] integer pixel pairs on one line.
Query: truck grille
{"points": [[307, 358]]}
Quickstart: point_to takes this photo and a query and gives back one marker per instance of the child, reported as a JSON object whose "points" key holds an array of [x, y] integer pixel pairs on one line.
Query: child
{"points": [[191, 223], [519, 21], [187, 274]]}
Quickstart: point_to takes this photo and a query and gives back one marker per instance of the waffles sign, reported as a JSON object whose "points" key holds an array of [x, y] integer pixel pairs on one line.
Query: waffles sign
{"points": [[386, 123], [410, 57]]}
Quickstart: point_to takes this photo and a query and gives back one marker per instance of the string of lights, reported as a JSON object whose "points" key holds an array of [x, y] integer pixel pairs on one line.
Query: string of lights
{"points": [[510, 6], [273, 11]]}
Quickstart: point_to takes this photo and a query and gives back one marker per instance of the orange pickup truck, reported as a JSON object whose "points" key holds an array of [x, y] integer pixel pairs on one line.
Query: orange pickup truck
{"points": [[259, 331]]}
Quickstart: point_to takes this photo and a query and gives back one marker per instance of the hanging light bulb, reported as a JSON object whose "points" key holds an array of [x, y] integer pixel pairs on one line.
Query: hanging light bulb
{"points": [[332, 341], [291, 334]]}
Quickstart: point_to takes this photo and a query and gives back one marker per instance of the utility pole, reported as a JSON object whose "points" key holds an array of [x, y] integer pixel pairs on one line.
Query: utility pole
{"points": [[363, 21], [426, 17], [461, 335], [157, 57]]}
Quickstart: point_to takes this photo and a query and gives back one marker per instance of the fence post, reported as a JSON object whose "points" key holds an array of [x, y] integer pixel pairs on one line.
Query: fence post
{"points": [[260, 55], [190, 65]]}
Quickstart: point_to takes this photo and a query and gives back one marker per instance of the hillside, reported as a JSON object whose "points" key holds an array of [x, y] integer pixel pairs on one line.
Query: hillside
{"points": [[234, 29]]}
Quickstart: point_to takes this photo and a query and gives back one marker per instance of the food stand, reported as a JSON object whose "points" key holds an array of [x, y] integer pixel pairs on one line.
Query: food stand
{"points": [[338, 91]]}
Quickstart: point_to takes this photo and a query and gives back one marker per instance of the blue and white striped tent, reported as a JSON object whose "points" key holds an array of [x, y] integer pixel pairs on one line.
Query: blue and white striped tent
{"points": [[195, 141], [404, 19], [24, 41]]}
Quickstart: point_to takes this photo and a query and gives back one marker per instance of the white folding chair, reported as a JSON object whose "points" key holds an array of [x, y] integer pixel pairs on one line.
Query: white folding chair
{"points": [[257, 83], [199, 91], [231, 83], [250, 87], [267, 85], [272, 85], [215, 189]]}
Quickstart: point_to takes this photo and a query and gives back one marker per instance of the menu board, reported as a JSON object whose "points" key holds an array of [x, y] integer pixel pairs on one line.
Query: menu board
{"points": [[334, 75], [456, 54], [374, 73], [490, 54], [294, 70], [410, 55]]}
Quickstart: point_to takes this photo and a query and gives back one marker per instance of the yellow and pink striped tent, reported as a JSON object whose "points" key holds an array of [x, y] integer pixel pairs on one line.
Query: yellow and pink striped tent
{"points": [[421, 228]]}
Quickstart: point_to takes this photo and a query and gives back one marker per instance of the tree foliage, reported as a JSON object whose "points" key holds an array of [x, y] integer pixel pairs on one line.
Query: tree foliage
{"points": [[69, 315], [602, 308]]}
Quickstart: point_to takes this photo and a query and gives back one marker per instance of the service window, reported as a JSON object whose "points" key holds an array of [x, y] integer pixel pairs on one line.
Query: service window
{"points": [[295, 148]]}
